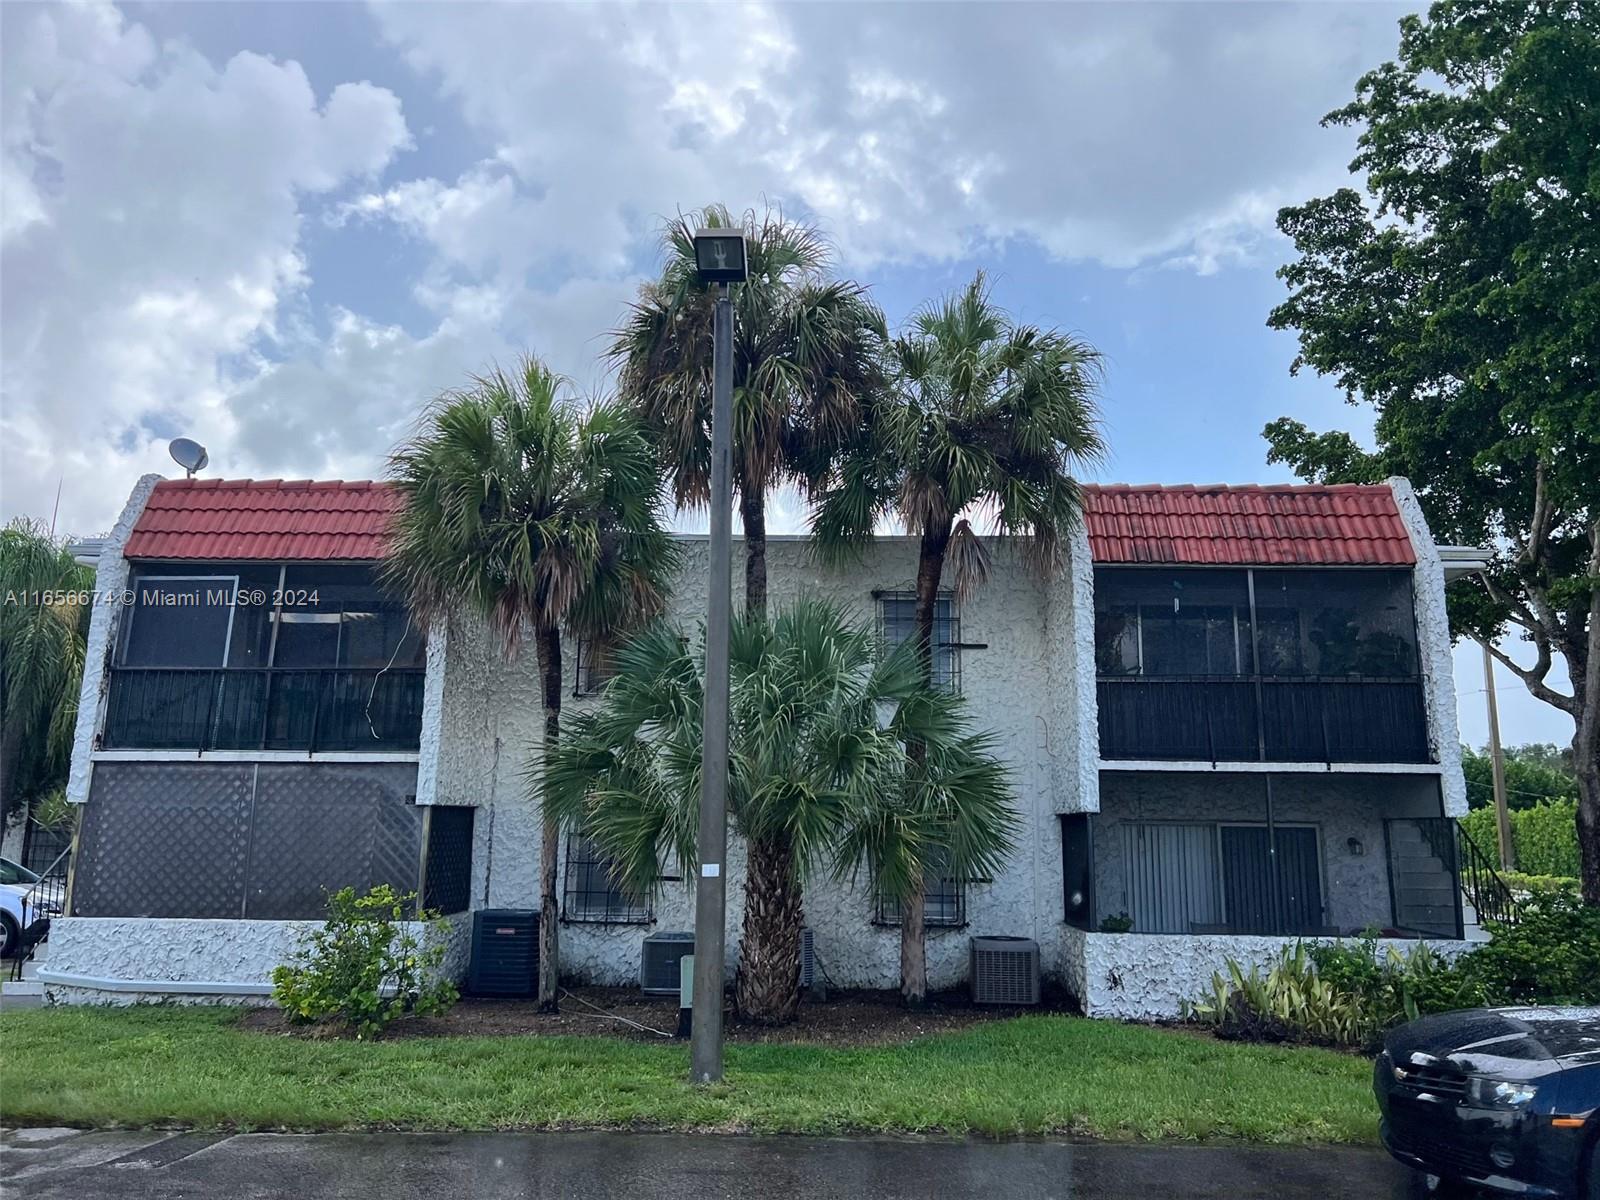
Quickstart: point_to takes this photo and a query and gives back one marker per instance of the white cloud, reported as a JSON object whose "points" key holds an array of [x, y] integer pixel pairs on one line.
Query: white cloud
{"points": [[151, 240], [1123, 134]]}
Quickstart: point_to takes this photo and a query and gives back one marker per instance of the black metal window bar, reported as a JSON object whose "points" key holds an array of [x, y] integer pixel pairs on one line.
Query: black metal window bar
{"points": [[595, 667], [897, 622], [592, 893], [944, 903]]}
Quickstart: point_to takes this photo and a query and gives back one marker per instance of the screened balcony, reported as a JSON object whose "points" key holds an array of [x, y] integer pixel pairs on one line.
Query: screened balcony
{"points": [[1249, 665], [257, 657]]}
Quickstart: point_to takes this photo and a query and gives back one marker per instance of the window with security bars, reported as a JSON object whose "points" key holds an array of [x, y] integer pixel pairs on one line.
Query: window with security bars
{"points": [[596, 666], [897, 619], [592, 891], [944, 902]]}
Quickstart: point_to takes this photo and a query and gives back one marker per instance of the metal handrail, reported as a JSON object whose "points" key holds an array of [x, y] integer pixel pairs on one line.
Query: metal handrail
{"points": [[1489, 894]]}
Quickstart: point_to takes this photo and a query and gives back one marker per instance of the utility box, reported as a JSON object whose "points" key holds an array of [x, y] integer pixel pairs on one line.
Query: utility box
{"points": [[658, 961], [505, 952]]}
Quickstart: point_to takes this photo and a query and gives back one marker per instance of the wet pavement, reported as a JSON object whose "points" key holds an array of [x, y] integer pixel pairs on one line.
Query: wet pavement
{"points": [[66, 1164]]}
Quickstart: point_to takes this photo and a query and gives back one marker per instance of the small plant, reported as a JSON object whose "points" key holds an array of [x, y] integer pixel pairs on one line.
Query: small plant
{"points": [[365, 966], [1121, 923]]}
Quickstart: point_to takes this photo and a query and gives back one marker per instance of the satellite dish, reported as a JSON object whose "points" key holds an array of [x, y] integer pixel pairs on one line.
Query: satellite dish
{"points": [[188, 454]]}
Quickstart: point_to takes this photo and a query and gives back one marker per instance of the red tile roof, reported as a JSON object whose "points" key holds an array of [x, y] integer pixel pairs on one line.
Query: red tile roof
{"points": [[1290, 525], [281, 520]]}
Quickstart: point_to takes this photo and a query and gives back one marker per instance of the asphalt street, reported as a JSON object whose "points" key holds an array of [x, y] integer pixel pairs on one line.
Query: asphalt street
{"points": [[64, 1164]]}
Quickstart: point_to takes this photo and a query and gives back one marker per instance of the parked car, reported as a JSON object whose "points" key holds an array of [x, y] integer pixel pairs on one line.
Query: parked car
{"points": [[1500, 1099], [24, 898]]}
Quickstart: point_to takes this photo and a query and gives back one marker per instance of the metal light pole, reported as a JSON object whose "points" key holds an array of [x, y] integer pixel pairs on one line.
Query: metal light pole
{"points": [[720, 255]]}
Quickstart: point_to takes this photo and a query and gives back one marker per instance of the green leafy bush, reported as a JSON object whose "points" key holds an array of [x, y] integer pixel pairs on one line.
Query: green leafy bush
{"points": [[1550, 956], [1288, 1003], [1344, 993], [1545, 837], [1537, 885], [1121, 923], [365, 967]]}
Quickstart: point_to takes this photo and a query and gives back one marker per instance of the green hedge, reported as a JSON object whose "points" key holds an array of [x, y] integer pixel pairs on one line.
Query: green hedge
{"points": [[1545, 837]]}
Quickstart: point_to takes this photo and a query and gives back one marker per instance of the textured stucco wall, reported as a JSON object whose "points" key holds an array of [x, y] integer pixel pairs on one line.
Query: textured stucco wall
{"points": [[189, 952], [1355, 888], [111, 577], [1144, 976], [1433, 647], [491, 731]]}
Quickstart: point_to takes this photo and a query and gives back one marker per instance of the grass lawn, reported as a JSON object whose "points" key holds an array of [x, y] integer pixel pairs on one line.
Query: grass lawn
{"points": [[1031, 1075]]}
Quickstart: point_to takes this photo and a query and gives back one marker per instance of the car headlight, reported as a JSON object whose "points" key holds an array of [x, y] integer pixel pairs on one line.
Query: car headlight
{"points": [[1499, 1093]]}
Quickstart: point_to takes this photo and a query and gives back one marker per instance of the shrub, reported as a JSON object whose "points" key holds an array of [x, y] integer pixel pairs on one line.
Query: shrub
{"points": [[365, 967], [1550, 956], [1537, 885], [1121, 923], [1335, 993], [1545, 837], [1289, 1003]]}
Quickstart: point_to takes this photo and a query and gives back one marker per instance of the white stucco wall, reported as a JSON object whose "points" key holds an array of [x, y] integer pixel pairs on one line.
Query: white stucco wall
{"points": [[1148, 976], [492, 726], [131, 960], [1433, 649], [110, 579]]}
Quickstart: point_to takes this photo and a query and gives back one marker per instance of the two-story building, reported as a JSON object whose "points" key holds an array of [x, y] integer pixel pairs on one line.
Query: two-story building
{"points": [[1230, 721]]}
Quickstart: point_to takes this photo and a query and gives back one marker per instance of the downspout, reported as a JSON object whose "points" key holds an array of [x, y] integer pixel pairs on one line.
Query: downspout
{"points": [[1275, 885]]}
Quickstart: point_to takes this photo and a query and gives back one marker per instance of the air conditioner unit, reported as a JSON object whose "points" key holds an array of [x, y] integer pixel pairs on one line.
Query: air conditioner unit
{"points": [[808, 959], [505, 952], [658, 961], [1005, 970]]}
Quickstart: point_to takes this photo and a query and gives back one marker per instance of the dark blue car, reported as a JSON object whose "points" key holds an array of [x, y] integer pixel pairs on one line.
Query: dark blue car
{"points": [[1501, 1099]]}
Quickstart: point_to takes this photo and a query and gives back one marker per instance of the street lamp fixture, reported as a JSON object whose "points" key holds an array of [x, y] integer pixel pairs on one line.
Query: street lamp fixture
{"points": [[719, 256]]}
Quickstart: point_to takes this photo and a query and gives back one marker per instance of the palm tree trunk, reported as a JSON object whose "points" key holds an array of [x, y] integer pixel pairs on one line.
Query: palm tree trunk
{"points": [[913, 941], [767, 988], [549, 650], [753, 511], [10, 759]]}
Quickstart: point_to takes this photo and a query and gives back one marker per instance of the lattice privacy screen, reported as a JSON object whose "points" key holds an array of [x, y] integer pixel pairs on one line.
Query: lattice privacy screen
{"points": [[264, 841]]}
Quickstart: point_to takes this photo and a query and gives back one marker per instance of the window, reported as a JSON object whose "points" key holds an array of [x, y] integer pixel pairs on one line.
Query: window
{"points": [[596, 666], [897, 611], [943, 903], [1218, 877], [1158, 621], [1172, 622], [180, 620], [592, 892]]}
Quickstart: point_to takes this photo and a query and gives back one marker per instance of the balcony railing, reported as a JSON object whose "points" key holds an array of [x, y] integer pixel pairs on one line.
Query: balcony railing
{"points": [[1214, 719], [264, 708]]}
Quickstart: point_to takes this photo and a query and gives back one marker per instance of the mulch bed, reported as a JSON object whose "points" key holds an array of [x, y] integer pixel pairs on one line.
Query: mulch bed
{"points": [[844, 1019]]}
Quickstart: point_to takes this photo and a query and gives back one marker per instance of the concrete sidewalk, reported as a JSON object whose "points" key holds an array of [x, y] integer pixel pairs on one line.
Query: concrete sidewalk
{"points": [[64, 1164]]}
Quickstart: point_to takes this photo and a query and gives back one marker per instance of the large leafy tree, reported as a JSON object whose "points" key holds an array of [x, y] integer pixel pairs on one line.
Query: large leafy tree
{"points": [[43, 632], [983, 415], [533, 514], [812, 751], [805, 359], [1461, 299]]}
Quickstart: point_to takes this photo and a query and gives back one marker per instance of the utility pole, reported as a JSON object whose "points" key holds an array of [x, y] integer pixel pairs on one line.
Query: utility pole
{"points": [[710, 893], [1502, 817]]}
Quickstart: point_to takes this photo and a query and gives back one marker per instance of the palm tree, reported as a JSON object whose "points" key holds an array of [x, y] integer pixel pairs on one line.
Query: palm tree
{"points": [[984, 415], [532, 514], [44, 627], [809, 757], [805, 360]]}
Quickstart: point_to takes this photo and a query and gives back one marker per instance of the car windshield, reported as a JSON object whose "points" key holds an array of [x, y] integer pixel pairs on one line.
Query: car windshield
{"points": [[11, 872]]}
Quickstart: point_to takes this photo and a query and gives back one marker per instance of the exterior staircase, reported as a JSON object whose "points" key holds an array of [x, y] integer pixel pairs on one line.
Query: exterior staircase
{"points": [[1425, 892], [27, 992]]}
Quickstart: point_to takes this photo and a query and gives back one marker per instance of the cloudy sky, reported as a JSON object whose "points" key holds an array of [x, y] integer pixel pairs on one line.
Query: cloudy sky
{"points": [[281, 228]]}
